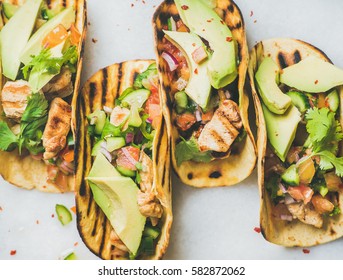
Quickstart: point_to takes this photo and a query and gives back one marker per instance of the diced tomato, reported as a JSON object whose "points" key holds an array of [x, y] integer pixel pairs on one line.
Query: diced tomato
{"points": [[301, 193], [124, 161], [185, 121], [206, 117], [69, 156], [321, 100], [52, 172], [55, 37], [62, 182], [74, 35]]}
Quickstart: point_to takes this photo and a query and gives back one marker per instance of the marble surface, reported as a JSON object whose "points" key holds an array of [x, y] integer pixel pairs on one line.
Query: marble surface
{"points": [[208, 223]]}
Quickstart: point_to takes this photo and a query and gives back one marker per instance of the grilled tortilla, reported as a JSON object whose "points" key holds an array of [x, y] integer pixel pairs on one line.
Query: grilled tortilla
{"points": [[23, 171], [241, 162], [286, 52], [99, 91]]}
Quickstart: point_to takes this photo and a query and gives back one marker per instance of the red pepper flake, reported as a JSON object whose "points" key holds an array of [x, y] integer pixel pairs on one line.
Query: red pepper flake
{"points": [[251, 13], [37, 222], [196, 71], [193, 44], [13, 252], [229, 39], [222, 22], [316, 82], [184, 7], [132, 5], [76, 243], [257, 229], [1, 208], [52, 215], [89, 23], [203, 30], [73, 209], [255, 21], [143, 2], [306, 251], [94, 40]]}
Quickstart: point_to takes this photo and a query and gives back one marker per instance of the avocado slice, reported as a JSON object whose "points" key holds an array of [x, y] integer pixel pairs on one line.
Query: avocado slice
{"points": [[198, 87], [136, 98], [116, 195], [267, 77], [281, 129], [15, 35], [312, 75], [34, 46], [202, 20]]}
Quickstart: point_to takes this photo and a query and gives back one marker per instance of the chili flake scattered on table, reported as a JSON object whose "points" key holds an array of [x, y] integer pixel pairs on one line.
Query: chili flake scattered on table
{"points": [[251, 13], [184, 7], [94, 40], [13, 252], [76, 243], [306, 251], [229, 39], [73, 209], [257, 229], [316, 82], [1, 208]]}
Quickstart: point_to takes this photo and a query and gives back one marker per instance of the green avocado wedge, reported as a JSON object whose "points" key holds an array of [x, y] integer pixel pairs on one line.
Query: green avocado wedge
{"points": [[15, 35], [267, 77], [116, 195], [204, 21], [198, 87], [312, 75]]}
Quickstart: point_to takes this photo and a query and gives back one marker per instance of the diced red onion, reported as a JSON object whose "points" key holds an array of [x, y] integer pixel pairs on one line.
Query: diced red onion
{"points": [[171, 60], [286, 217], [64, 167], [282, 188], [129, 137], [106, 153], [198, 115], [289, 199], [148, 120], [129, 157], [108, 110], [227, 94], [181, 84]]}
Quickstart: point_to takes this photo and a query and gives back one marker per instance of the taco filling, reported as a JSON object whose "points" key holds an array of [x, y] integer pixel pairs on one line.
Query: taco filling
{"points": [[39, 56], [122, 174], [303, 169], [200, 58]]}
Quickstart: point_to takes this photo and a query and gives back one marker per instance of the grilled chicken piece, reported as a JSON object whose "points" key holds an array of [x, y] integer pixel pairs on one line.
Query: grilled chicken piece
{"points": [[306, 214], [219, 134], [14, 98], [149, 205], [57, 128], [60, 86]]}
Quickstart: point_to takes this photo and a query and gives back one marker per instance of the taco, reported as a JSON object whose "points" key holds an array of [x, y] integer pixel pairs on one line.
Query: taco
{"points": [[298, 93], [41, 61], [202, 57], [123, 194]]}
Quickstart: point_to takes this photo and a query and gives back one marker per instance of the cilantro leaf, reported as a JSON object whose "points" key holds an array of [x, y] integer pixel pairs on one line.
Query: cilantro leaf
{"points": [[139, 81], [36, 108], [324, 130], [329, 160], [8, 140], [189, 150], [44, 63], [324, 133]]}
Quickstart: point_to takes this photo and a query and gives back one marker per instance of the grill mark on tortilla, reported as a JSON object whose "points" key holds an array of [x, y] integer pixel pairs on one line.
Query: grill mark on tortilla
{"points": [[215, 175], [103, 239], [296, 57], [231, 8], [159, 144], [238, 25], [104, 84], [120, 74], [190, 176], [48, 3], [92, 93], [97, 210], [64, 3], [164, 166], [282, 60]]}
